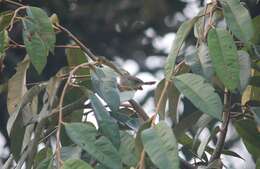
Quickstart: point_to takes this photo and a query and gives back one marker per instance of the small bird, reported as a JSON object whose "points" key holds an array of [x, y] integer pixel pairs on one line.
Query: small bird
{"points": [[126, 82]]}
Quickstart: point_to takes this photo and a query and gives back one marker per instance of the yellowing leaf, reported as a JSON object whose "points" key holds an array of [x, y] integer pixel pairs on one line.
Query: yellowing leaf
{"points": [[17, 86], [251, 93]]}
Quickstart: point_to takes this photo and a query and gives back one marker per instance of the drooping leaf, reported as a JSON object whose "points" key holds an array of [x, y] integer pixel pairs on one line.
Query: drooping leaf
{"points": [[200, 93], [3, 42], [127, 149], [157, 95], [186, 123], [5, 19], [18, 120], [256, 24], [223, 53], [181, 35], [161, 146], [101, 148], [76, 164], [205, 61], [39, 37], [105, 84], [138, 138], [193, 61], [247, 130], [107, 126], [245, 69], [17, 86], [238, 19]]}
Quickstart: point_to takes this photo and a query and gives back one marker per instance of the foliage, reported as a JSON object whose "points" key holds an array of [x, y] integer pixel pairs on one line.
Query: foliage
{"points": [[220, 79]]}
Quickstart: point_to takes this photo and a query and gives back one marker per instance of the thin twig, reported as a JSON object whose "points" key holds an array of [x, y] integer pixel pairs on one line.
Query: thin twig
{"points": [[14, 16], [13, 3], [82, 46], [60, 121], [141, 164], [16, 45]]}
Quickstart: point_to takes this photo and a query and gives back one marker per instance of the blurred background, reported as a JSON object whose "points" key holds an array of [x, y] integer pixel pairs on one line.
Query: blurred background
{"points": [[135, 34]]}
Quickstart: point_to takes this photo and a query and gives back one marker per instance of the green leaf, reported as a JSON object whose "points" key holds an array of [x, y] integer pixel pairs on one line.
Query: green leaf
{"points": [[105, 84], [161, 146], [238, 19], [101, 148], [186, 123], [5, 19], [205, 61], [127, 149], [258, 163], [245, 69], [70, 152], [4, 40], [138, 138], [200, 93], [193, 61], [18, 120], [38, 36], [47, 163], [41, 155], [223, 52], [76, 57], [76, 164], [247, 130], [181, 35], [107, 126], [256, 24], [126, 116]]}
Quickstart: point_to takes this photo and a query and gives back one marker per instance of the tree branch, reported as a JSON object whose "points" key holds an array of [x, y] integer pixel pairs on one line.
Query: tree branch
{"points": [[223, 130], [78, 42]]}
